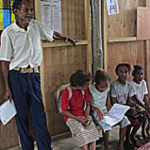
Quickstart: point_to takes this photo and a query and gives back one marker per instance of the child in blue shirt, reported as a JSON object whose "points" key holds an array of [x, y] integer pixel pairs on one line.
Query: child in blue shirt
{"points": [[100, 103]]}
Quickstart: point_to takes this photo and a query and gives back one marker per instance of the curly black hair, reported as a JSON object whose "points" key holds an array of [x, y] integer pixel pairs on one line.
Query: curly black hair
{"points": [[79, 78], [136, 68], [101, 75], [123, 64]]}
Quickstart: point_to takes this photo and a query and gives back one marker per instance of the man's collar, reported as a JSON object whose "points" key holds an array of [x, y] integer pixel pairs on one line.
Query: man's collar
{"points": [[19, 29]]}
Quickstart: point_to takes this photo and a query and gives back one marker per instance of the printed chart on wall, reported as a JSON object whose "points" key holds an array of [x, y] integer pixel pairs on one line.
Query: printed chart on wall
{"points": [[112, 7], [6, 13], [51, 14]]}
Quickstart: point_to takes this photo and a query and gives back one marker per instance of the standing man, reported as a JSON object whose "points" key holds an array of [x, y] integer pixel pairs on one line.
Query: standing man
{"points": [[21, 56]]}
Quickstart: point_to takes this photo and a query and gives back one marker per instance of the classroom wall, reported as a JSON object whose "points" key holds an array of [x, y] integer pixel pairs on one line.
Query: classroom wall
{"points": [[120, 43], [59, 64], [8, 133], [60, 60]]}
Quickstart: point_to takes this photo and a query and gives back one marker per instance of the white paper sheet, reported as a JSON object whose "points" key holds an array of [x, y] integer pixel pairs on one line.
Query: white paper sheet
{"points": [[51, 14], [118, 110], [111, 120], [7, 111], [112, 7], [115, 114]]}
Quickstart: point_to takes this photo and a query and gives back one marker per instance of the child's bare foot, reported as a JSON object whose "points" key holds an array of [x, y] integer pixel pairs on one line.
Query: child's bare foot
{"points": [[144, 134], [136, 143], [121, 148], [128, 145], [147, 139], [106, 147], [148, 133]]}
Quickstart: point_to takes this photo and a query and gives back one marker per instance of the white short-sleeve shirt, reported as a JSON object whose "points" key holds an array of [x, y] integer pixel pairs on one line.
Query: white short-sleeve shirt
{"points": [[99, 99], [140, 89], [23, 48], [121, 92]]}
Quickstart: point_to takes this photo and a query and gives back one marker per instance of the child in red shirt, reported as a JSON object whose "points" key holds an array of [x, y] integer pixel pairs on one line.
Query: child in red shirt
{"points": [[76, 111]]}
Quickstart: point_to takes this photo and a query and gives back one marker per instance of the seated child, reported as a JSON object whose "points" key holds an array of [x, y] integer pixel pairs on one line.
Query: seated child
{"points": [[122, 92], [100, 102], [141, 96], [77, 118]]}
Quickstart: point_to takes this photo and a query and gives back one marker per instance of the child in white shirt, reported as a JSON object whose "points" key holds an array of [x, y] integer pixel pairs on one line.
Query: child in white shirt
{"points": [[141, 95], [122, 92]]}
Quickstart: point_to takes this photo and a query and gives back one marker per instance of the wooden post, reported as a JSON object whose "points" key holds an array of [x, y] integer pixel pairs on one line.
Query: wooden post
{"points": [[96, 35], [104, 29], [37, 9], [147, 57], [88, 34], [38, 17]]}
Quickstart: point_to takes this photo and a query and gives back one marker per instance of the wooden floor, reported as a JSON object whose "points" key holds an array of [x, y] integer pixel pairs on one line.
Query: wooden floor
{"points": [[68, 143]]}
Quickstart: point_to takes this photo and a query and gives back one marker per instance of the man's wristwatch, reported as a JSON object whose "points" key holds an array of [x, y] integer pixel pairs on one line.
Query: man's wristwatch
{"points": [[66, 39]]}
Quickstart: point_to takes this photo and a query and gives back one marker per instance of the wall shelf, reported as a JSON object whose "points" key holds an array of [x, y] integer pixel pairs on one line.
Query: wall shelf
{"points": [[60, 43], [123, 39]]}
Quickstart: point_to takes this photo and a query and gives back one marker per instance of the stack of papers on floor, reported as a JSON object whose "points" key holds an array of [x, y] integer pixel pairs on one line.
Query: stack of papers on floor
{"points": [[7, 111]]}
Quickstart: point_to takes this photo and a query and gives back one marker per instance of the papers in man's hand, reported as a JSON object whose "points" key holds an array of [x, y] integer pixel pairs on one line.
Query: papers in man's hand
{"points": [[115, 114], [7, 111]]}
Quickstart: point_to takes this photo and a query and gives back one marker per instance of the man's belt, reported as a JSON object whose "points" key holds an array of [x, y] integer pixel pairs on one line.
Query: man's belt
{"points": [[28, 70]]}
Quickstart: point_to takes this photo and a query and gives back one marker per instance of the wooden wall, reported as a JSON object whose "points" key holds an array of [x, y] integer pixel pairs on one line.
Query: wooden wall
{"points": [[119, 37], [130, 52], [59, 64], [60, 60], [8, 133]]}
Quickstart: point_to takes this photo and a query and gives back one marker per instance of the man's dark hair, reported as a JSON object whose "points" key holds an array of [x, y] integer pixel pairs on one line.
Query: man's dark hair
{"points": [[79, 78], [17, 4], [123, 64]]}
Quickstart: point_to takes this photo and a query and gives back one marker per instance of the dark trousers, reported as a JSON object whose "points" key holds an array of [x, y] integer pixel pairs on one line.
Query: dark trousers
{"points": [[27, 96]]}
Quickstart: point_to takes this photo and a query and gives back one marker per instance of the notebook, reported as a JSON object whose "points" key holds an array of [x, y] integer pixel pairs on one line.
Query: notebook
{"points": [[7, 111]]}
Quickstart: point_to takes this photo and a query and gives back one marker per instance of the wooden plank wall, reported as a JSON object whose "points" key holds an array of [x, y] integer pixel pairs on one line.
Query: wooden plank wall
{"points": [[59, 64], [143, 25], [130, 52], [61, 59], [8, 133], [120, 44]]}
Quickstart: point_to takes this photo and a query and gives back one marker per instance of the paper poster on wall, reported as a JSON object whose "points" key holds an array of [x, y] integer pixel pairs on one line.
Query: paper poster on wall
{"points": [[112, 7], [51, 14]]}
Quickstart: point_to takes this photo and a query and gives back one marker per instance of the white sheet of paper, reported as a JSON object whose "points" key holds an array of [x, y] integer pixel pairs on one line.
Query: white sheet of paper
{"points": [[112, 7], [111, 120], [7, 111], [118, 110], [51, 14], [115, 115]]}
